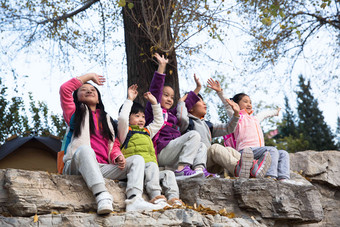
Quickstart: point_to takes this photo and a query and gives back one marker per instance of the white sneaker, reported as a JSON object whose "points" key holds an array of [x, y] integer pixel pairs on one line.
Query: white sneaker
{"points": [[288, 181], [175, 202], [161, 203], [104, 203], [137, 203]]}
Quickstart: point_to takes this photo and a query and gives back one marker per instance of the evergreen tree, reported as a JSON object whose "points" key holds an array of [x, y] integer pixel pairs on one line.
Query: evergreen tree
{"points": [[338, 134], [311, 121], [288, 127], [15, 120]]}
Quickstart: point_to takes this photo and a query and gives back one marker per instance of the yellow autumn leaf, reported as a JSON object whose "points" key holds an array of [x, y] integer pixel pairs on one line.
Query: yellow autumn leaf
{"points": [[130, 5], [35, 218], [121, 3]]}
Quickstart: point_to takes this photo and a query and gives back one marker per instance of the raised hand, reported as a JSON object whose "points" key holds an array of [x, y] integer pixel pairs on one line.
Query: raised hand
{"points": [[132, 92], [97, 79], [152, 99], [162, 61], [278, 111], [234, 106], [182, 99], [214, 84], [198, 84]]}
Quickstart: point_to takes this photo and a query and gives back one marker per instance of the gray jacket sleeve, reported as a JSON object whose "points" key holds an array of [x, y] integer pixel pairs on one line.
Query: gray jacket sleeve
{"points": [[228, 108], [222, 128], [182, 116]]}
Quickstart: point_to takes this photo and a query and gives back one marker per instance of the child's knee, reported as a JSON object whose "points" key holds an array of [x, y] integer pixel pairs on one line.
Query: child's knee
{"points": [[283, 153], [167, 174], [136, 160], [194, 135]]}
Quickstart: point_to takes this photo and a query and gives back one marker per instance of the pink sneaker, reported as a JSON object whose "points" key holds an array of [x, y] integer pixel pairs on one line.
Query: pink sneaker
{"points": [[261, 166], [242, 169]]}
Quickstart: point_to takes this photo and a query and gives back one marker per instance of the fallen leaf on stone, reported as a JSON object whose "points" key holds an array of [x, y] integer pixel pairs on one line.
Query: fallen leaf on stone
{"points": [[35, 218]]}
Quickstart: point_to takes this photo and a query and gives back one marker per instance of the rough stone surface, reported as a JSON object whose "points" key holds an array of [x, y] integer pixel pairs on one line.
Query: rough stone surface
{"points": [[318, 166], [173, 217], [66, 201], [265, 198], [323, 171], [37, 192]]}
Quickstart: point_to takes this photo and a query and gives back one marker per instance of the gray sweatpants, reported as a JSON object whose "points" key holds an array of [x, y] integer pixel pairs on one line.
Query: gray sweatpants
{"points": [[169, 184], [84, 163], [280, 166], [151, 180], [186, 149]]}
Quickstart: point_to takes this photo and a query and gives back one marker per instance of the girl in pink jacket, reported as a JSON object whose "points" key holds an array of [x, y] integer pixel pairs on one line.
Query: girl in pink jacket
{"points": [[249, 133], [90, 152]]}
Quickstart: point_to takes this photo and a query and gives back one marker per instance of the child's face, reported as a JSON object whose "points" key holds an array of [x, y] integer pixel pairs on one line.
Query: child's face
{"points": [[199, 109], [245, 103], [167, 97], [88, 94], [137, 119]]}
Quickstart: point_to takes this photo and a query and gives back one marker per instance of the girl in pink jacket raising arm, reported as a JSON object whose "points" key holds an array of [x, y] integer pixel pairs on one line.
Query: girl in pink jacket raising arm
{"points": [[90, 137]]}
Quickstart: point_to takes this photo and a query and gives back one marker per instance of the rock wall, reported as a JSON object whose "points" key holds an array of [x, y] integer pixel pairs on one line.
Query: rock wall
{"points": [[33, 198]]}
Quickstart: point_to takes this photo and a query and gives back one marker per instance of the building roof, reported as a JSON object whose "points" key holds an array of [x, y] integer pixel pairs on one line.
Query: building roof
{"points": [[13, 144]]}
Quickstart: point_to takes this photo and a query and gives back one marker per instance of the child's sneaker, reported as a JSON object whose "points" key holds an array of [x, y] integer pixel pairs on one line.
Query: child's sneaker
{"points": [[104, 203], [137, 203], [261, 166], [187, 172], [242, 169], [288, 181], [207, 174], [175, 202], [160, 202]]}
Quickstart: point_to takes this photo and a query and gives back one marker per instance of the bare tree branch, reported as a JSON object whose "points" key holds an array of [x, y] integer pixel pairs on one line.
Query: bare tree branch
{"points": [[65, 16]]}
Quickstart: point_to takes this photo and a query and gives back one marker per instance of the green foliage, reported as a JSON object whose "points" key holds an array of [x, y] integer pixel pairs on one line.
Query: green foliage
{"points": [[14, 118], [309, 131], [289, 143], [338, 134], [287, 126], [311, 121], [285, 28]]}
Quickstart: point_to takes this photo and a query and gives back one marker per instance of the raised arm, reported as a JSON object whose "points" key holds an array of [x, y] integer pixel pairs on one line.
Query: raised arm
{"points": [[267, 113], [123, 118], [97, 79], [162, 61], [158, 120], [182, 115], [216, 86], [198, 85], [156, 86], [67, 89]]}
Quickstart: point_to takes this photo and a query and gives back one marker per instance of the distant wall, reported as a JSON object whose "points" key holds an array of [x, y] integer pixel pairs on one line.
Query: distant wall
{"points": [[31, 156]]}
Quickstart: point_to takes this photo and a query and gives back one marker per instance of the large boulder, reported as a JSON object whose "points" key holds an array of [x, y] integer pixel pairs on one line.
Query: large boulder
{"points": [[322, 169], [35, 198], [264, 199]]}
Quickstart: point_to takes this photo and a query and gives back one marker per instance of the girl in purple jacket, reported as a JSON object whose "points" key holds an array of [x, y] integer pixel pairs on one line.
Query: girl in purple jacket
{"points": [[185, 154]]}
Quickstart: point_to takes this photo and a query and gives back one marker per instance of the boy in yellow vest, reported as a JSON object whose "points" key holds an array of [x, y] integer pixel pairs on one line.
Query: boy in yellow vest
{"points": [[136, 139]]}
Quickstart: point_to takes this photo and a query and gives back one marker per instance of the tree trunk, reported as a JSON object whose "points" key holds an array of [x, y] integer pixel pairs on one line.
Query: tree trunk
{"points": [[140, 64]]}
